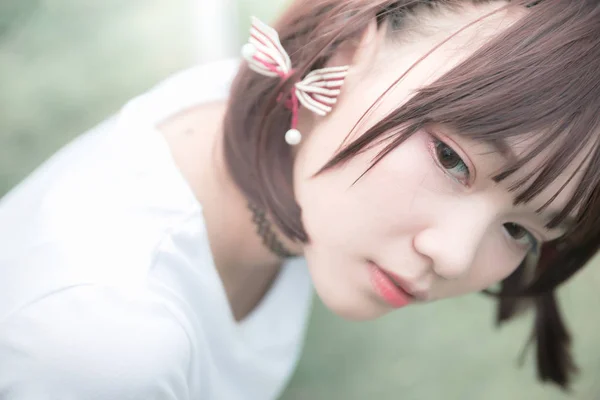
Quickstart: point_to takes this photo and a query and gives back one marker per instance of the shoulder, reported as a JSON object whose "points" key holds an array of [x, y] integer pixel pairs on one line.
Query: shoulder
{"points": [[211, 77], [200, 84], [94, 340]]}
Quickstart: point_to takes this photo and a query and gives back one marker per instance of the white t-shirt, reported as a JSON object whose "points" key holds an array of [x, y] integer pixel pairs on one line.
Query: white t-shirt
{"points": [[107, 285]]}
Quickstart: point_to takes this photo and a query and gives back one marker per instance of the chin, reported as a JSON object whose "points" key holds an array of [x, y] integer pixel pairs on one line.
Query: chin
{"points": [[339, 289], [351, 307]]}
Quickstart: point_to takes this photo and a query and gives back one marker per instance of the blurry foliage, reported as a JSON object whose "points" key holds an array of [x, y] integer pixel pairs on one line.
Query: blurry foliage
{"points": [[66, 65], [13, 13]]}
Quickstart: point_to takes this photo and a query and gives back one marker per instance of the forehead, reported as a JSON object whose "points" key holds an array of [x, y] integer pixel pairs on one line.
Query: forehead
{"points": [[439, 18], [430, 41]]}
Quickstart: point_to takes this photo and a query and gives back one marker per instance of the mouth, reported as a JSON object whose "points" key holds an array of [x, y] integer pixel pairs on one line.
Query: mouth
{"points": [[390, 287]]}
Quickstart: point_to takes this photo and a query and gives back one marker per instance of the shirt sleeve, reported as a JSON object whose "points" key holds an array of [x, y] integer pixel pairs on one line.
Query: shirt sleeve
{"points": [[94, 343]]}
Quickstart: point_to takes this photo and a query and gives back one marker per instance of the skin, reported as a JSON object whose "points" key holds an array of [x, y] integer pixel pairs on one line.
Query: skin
{"points": [[439, 224]]}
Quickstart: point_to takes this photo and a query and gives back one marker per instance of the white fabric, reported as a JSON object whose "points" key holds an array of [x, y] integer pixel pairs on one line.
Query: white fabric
{"points": [[107, 286]]}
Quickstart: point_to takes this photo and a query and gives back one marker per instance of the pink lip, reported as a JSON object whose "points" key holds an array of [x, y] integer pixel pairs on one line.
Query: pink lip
{"points": [[406, 286], [388, 289]]}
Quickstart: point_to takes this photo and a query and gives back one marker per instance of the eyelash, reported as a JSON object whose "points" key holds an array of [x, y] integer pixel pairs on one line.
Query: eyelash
{"points": [[532, 243], [437, 147], [458, 166]]}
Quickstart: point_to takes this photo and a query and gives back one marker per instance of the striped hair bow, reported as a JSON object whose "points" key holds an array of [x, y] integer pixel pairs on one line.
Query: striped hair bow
{"points": [[317, 92]]}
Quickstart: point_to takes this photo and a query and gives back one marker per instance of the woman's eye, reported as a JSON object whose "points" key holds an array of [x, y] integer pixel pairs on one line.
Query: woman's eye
{"points": [[521, 235], [451, 162]]}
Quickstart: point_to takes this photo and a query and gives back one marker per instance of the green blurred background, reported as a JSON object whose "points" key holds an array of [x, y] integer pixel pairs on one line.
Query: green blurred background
{"points": [[66, 65]]}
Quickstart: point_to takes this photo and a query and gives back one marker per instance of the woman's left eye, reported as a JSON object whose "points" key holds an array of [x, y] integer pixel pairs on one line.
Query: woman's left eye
{"points": [[521, 235], [451, 162]]}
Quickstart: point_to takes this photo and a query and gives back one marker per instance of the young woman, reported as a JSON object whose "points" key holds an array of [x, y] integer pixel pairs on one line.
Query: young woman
{"points": [[409, 151]]}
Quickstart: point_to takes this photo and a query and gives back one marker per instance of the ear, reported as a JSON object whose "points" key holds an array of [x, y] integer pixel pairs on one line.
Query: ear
{"points": [[362, 50]]}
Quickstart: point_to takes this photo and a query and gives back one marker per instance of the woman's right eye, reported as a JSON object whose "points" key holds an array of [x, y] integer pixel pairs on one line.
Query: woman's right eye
{"points": [[521, 236], [451, 162]]}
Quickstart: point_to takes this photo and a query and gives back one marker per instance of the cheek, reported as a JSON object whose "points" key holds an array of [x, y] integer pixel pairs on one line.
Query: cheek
{"points": [[388, 200], [494, 263], [497, 261]]}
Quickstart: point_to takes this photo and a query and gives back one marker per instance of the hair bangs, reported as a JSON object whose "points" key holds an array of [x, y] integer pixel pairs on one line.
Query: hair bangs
{"points": [[536, 80], [539, 79]]}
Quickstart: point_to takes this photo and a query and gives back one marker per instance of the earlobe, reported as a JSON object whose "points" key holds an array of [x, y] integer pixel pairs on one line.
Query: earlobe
{"points": [[368, 44], [359, 50]]}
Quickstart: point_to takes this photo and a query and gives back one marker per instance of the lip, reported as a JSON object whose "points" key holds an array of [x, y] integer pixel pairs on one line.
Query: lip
{"points": [[407, 287], [389, 287]]}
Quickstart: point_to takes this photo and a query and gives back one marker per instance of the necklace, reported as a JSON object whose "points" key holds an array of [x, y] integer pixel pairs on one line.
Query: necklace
{"points": [[269, 239]]}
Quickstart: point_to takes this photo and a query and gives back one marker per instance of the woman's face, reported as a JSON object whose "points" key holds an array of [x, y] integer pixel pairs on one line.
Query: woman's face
{"points": [[428, 215]]}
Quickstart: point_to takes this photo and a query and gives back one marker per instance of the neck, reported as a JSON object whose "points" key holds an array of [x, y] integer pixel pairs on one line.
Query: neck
{"points": [[246, 266]]}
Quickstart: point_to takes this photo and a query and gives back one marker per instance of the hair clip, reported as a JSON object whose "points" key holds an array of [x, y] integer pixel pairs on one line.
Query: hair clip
{"points": [[318, 91]]}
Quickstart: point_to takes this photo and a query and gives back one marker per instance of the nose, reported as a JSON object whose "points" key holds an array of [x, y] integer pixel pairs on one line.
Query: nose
{"points": [[451, 243]]}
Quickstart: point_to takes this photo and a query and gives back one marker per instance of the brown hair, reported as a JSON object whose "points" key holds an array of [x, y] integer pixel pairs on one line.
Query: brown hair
{"points": [[539, 78]]}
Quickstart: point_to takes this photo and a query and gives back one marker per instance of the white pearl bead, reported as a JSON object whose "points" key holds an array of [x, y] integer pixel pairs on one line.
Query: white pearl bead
{"points": [[248, 50], [293, 137]]}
